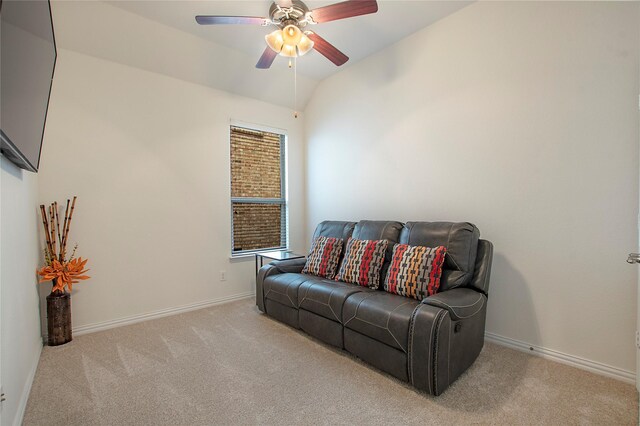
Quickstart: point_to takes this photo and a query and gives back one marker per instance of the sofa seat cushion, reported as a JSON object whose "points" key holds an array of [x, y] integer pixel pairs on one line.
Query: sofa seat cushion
{"points": [[326, 297], [283, 288], [382, 316]]}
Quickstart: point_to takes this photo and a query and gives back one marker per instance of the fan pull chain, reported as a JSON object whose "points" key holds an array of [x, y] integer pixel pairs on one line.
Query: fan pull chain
{"points": [[295, 87]]}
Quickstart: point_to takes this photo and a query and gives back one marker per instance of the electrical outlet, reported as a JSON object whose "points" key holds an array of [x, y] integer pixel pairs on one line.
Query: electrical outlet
{"points": [[2, 397], [638, 339], [223, 275]]}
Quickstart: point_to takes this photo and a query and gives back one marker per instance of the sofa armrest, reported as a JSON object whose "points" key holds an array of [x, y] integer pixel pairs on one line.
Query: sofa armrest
{"points": [[461, 303], [446, 335], [429, 337], [273, 268], [289, 266]]}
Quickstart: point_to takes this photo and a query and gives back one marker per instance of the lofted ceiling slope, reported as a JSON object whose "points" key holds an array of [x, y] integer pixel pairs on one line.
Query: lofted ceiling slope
{"points": [[163, 37]]}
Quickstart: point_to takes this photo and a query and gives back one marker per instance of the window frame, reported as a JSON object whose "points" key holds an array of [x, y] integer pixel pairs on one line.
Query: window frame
{"points": [[282, 201]]}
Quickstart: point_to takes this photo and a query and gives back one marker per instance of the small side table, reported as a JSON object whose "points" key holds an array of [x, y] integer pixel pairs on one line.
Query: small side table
{"points": [[275, 255]]}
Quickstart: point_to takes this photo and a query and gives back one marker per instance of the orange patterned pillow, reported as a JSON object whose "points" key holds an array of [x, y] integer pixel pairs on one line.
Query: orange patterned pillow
{"points": [[415, 271]]}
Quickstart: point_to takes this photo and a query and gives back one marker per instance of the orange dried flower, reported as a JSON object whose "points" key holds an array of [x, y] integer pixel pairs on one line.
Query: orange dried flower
{"points": [[64, 274]]}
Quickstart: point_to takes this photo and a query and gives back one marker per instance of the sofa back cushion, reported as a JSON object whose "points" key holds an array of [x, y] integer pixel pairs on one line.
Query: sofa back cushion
{"points": [[415, 271], [459, 238], [335, 229], [379, 230]]}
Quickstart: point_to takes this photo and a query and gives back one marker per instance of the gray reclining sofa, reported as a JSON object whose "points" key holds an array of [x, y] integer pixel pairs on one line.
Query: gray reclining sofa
{"points": [[427, 343]]}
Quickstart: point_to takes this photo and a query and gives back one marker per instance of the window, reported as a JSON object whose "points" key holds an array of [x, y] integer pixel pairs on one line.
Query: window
{"points": [[258, 193]]}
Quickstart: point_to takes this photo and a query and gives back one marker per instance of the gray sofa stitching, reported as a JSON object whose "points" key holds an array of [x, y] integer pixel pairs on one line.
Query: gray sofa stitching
{"points": [[384, 328], [330, 308], [430, 345], [435, 355], [449, 356], [355, 314], [467, 316], [319, 303], [265, 290], [306, 293], [480, 296], [389, 330], [412, 327], [282, 294], [289, 297]]}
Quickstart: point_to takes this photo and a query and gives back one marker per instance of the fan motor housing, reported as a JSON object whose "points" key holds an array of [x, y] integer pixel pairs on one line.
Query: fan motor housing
{"points": [[294, 15]]}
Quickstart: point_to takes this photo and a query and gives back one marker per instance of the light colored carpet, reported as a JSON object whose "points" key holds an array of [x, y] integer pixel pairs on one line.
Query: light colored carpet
{"points": [[230, 364]]}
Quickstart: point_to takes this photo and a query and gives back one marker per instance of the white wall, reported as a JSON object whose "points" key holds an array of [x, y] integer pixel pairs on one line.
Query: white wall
{"points": [[521, 118], [20, 338], [148, 157]]}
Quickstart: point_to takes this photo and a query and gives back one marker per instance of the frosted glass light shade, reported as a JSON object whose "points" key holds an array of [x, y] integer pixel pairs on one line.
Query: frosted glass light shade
{"points": [[291, 35], [304, 45], [275, 40], [288, 51]]}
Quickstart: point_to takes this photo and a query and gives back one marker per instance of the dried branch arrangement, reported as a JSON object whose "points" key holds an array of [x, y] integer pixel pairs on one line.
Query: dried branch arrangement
{"points": [[64, 273]]}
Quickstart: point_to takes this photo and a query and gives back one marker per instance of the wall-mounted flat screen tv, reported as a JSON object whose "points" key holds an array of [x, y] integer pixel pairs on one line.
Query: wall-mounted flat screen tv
{"points": [[27, 60]]}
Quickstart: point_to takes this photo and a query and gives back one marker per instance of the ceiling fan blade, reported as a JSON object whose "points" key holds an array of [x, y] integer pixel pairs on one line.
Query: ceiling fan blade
{"points": [[327, 49], [266, 59], [229, 20], [344, 10], [284, 3]]}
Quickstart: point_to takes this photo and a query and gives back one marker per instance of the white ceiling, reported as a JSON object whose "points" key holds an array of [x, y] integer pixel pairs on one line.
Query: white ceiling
{"points": [[162, 36], [357, 37]]}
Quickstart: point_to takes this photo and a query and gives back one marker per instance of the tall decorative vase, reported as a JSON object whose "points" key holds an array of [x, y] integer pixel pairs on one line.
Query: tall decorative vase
{"points": [[59, 318]]}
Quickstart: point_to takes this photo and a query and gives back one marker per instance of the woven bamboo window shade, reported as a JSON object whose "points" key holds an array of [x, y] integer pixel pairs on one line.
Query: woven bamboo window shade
{"points": [[257, 191]]}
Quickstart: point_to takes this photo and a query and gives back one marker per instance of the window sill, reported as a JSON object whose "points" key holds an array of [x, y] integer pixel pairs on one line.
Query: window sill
{"points": [[242, 257]]}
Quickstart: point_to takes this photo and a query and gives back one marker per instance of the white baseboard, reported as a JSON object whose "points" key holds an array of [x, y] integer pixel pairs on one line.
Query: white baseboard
{"points": [[572, 360], [105, 325], [24, 398]]}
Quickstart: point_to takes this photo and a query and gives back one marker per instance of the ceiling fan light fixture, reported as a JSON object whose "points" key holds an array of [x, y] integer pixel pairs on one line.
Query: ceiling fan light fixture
{"points": [[304, 45], [275, 40], [289, 51], [291, 17], [291, 35]]}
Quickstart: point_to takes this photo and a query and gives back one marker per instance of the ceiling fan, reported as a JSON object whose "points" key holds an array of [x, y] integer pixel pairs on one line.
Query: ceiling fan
{"points": [[291, 17]]}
